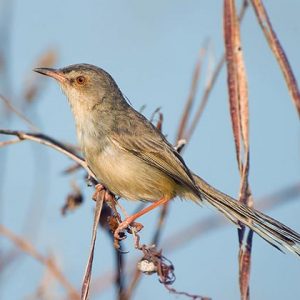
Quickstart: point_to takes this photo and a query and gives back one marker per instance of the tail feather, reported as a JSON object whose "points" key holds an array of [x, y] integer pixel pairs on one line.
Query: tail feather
{"points": [[274, 232]]}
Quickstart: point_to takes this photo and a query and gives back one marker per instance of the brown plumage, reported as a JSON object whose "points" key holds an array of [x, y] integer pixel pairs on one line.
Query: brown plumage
{"points": [[134, 160]]}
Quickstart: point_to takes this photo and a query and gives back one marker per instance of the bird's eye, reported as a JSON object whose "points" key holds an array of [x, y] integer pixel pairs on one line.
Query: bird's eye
{"points": [[80, 80]]}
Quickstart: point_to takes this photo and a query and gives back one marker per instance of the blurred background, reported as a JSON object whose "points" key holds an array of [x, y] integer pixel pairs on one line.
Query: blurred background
{"points": [[150, 48]]}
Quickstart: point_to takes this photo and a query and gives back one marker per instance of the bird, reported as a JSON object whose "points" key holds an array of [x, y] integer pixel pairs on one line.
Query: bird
{"points": [[133, 159]]}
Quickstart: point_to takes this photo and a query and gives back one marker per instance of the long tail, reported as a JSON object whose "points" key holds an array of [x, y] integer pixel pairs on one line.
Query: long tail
{"points": [[274, 232]]}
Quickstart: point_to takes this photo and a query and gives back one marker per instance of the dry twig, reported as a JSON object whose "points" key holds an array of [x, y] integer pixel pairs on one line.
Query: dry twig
{"points": [[52, 143], [88, 270], [238, 100], [278, 51]]}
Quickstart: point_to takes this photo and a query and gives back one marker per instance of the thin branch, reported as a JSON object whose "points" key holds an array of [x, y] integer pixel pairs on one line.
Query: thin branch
{"points": [[274, 43], [28, 248], [188, 295], [10, 142], [238, 102], [52, 143], [89, 265]]}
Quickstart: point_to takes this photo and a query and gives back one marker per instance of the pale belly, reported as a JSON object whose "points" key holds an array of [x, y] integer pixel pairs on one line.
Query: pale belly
{"points": [[128, 176]]}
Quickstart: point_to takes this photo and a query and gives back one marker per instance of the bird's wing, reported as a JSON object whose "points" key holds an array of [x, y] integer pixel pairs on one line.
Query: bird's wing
{"points": [[147, 143]]}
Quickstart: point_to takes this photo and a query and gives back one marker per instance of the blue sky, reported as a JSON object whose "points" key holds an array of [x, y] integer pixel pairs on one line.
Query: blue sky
{"points": [[150, 48]]}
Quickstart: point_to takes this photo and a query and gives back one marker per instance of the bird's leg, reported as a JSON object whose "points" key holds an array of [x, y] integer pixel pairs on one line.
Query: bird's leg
{"points": [[130, 220]]}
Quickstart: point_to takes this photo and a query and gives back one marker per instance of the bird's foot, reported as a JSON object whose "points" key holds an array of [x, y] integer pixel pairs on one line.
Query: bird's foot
{"points": [[131, 227]]}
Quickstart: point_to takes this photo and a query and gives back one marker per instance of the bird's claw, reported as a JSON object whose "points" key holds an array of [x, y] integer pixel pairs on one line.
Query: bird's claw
{"points": [[135, 227], [119, 234]]}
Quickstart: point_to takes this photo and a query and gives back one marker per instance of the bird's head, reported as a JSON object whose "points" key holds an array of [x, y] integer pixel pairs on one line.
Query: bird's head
{"points": [[85, 86]]}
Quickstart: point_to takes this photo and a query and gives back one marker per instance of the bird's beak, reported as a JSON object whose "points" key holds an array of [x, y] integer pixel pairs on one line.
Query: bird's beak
{"points": [[54, 73]]}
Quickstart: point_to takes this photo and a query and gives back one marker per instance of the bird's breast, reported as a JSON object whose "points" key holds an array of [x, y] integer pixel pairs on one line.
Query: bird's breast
{"points": [[126, 175]]}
